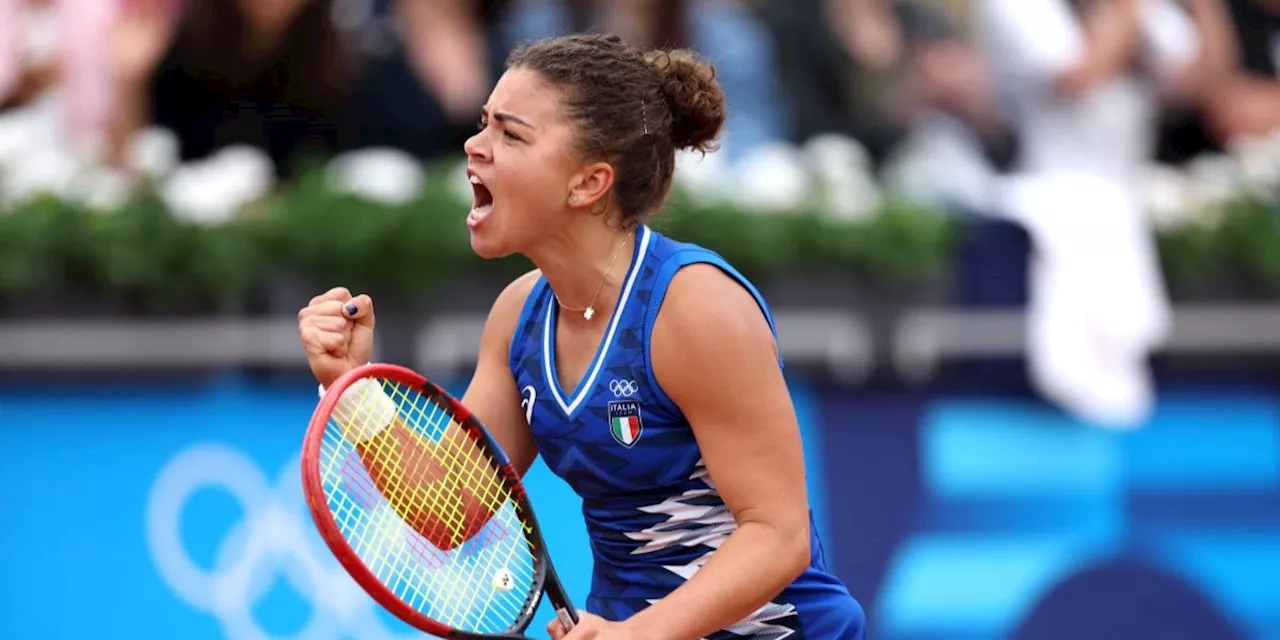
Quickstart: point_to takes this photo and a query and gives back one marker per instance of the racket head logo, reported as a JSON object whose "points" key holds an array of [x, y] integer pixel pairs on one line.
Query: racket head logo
{"points": [[504, 580]]}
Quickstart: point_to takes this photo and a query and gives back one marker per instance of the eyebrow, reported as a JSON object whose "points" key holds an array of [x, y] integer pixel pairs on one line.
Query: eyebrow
{"points": [[504, 117]]}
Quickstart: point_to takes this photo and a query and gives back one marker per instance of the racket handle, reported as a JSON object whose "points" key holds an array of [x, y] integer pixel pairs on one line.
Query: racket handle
{"points": [[568, 618], [566, 613]]}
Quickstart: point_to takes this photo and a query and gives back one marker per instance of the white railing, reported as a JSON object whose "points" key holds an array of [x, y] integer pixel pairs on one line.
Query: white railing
{"points": [[841, 340]]}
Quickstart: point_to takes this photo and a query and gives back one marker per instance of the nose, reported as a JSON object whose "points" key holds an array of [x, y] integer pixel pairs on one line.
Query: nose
{"points": [[476, 147]]}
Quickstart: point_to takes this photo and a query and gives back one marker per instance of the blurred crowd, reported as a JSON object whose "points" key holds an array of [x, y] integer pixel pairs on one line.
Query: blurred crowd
{"points": [[1064, 117], [933, 92]]}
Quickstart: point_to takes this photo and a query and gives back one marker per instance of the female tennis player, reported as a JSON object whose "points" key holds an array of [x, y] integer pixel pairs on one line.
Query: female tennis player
{"points": [[644, 371]]}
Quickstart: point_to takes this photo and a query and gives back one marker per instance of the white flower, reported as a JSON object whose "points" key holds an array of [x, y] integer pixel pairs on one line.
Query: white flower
{"points": [[43, 171], [770, 179], [384, 175], [941, 164], [1167, 196], [1259, 163], [103, 188], [706, 178], [248, 170], [19, 133], [846, 188], [212, 191], [1215, 179], [153, 152]]}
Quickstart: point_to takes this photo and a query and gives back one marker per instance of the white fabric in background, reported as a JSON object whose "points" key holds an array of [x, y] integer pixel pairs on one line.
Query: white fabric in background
{"points": [[1098, 306]]}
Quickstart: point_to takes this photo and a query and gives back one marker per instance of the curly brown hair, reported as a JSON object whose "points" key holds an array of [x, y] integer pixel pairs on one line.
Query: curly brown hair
{"points": [[631, 108]]}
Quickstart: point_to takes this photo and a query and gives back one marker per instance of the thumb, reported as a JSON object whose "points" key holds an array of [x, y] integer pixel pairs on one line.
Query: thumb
{"points": [[360, 311]]}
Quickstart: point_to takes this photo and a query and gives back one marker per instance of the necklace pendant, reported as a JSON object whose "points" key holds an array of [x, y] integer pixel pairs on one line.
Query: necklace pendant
{"points": [[589, 313]]}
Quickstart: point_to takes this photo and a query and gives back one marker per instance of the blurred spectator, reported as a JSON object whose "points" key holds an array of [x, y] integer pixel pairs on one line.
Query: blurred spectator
{"points": [[1244, 99], [29, 61], [429, 67], [51, 67], [1083, 80], [306, 78], [1247, 102], [270, 74], [870, 69], [726, 32]]}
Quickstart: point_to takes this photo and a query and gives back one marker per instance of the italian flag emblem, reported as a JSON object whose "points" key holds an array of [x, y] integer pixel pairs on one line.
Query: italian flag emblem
{"points": [[624, 422]]}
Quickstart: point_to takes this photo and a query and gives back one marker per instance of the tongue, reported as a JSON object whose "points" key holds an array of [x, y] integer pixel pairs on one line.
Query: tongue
{"points": [[483, 197]]}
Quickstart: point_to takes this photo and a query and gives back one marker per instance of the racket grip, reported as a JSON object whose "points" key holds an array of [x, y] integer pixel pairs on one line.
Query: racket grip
{"points": [[364, 410], [568, 619]]}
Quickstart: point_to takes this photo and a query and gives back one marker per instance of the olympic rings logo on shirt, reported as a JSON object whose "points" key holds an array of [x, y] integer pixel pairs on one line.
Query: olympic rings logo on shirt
{"points": [[275, 539], [623, 388]]}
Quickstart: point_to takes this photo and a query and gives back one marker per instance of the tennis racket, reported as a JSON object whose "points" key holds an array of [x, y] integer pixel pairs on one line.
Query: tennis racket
{"points": [[421, 506]]}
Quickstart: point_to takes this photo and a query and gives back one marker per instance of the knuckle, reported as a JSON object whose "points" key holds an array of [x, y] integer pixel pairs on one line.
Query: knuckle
{"points": [[326, 308]]}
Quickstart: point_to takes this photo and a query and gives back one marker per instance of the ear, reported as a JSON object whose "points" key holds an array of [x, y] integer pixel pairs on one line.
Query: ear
{"points": [[590, 185]]}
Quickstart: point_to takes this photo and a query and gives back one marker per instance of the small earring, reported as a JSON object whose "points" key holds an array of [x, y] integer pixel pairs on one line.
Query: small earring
{"points": [[573, 199]]}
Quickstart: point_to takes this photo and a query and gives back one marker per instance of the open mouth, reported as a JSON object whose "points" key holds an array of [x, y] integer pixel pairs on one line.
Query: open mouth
{"points": [[482, 202]]}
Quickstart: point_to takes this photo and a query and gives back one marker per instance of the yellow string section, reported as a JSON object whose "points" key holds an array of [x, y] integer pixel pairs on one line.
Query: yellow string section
{"points": [[422, 504]]}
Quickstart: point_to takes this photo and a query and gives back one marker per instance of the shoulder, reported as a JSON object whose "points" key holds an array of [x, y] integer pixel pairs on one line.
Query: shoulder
{"points": [[517, 291], [504, 315], [706, 310], [710, 342]]}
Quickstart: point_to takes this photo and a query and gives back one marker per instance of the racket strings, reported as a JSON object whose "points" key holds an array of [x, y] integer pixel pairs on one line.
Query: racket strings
{"points": [[423, 504]]}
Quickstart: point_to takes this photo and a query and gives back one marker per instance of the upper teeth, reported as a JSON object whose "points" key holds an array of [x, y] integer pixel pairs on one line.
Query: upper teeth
{"points": [[476, 180]]}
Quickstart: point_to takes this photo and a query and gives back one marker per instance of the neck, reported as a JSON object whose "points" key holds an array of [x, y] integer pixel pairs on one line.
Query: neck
{"points": [[577, 262]]}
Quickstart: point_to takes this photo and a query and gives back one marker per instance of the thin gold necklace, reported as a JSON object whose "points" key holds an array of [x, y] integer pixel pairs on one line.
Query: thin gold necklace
{"points": [[589, 311]]}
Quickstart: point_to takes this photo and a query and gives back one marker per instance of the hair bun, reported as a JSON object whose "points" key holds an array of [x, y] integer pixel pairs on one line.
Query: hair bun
{"points": [[696, 101]]}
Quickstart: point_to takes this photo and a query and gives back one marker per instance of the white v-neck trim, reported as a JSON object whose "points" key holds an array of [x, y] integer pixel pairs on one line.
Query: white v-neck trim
{"points": [[548, 344]]}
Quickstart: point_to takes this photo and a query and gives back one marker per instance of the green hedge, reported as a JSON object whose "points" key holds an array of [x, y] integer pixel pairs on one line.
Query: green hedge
{"points": [[144, 259]]}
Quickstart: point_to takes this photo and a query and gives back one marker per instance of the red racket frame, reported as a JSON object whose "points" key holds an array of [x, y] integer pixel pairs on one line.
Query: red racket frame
{"points": [[545, 579]]}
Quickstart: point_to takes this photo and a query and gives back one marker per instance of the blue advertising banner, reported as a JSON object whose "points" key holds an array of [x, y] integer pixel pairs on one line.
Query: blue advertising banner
{"points": [[987, 518], [167, 511], [175, 511]]}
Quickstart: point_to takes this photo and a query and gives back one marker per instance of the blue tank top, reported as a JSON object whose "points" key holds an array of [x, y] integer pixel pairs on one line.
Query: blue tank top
{"points": [[652, 512]]}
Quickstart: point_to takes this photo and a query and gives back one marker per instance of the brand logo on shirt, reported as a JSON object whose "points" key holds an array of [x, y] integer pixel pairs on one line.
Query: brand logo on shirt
{"points": [[530, 395], [623, 388], [624, 422]]}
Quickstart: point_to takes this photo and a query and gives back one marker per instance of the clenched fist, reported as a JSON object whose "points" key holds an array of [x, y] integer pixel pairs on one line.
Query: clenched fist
{"points": [[337, 333]]}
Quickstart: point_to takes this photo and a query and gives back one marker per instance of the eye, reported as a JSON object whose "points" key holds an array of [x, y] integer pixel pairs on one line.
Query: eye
{"points": [[481, 124], [510, 136]]}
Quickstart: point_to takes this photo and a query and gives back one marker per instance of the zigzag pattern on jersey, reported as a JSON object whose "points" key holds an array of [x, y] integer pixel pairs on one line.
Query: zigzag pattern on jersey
{"points": [[696, 517], [773, 621]]}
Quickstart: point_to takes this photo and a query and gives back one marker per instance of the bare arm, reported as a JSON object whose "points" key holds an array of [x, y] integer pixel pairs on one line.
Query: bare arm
{"points": [[136, 42], [492, 395], [1111, 30], [1243, 106], [869, 30], [715, 356], [1218, 55], [1237, 103], [447, 47]]}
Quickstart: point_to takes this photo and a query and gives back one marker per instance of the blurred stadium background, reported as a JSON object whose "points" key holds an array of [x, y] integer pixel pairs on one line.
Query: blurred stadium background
{"points": [[1023, 253]]}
